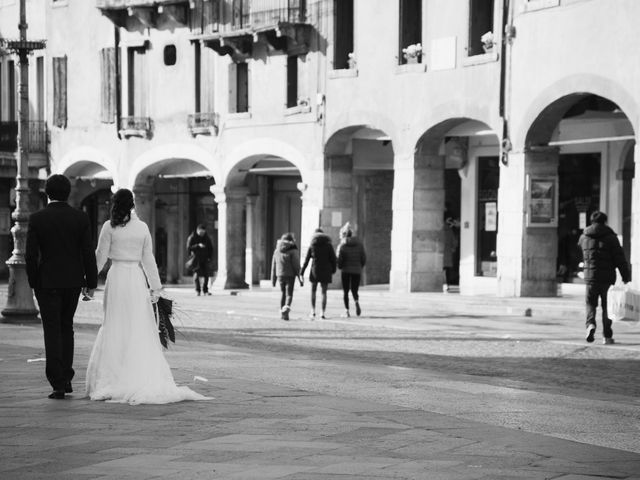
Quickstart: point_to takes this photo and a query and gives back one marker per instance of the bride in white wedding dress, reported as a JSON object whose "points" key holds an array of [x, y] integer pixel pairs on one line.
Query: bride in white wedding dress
{"points": [[127, 364]]}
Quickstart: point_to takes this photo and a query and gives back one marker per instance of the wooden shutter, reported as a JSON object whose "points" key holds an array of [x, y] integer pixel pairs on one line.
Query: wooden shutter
{"points": [[60, 91], [108, 84], [233, 87]]}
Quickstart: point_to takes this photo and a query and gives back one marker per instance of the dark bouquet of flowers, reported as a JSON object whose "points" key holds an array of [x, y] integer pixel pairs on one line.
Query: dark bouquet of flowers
{"points": [[164, 314]]}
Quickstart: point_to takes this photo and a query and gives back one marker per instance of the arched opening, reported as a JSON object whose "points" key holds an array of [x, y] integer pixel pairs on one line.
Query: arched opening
{"points": [[358, 189], [91, 192], [173, 196], [584, 143], [263, 201], [455, 224]]}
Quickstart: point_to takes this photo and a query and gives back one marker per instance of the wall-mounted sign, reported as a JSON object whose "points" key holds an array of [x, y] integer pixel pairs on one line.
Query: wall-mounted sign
{"points": [[542, 202]]}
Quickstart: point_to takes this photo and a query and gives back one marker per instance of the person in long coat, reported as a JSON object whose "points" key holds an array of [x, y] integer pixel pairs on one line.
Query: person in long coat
{"points": [[200, 249], [323, 266]]}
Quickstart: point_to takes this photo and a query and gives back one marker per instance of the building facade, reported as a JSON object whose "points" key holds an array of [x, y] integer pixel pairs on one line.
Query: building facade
{"points": [[258, 117]]}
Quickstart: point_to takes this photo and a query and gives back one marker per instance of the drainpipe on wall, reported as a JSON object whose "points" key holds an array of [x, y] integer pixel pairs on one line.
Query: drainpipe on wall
{"points": [[508, 35], [116, 35]]}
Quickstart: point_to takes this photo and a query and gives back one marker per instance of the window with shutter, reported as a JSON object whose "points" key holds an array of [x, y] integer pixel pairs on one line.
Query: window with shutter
{"points": [[60, 91], [410, 31], [343, 33], [108, 84]]}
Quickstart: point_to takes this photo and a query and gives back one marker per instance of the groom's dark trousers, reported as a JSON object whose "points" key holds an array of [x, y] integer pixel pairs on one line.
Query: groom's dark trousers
{"points": [[60, 261]]}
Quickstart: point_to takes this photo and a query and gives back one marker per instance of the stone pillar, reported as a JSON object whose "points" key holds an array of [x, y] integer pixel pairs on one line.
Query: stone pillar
{"points": [[174, 246], [526, 255], [635, 221], [427, 239], [231, 237], [401, 231], [221, 199], [311, 201], [145, 206], [250, 272], [338, 195]]}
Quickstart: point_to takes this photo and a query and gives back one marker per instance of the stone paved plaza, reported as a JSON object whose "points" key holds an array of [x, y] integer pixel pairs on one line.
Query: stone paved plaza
{"points": [[263, 424]]}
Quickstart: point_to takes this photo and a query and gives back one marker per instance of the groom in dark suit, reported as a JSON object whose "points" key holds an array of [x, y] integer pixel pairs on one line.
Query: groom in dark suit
{"points": [[61, 263]]}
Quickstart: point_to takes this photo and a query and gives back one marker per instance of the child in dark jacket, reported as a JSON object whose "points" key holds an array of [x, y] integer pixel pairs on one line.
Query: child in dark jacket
{"points": [[285, 267]]}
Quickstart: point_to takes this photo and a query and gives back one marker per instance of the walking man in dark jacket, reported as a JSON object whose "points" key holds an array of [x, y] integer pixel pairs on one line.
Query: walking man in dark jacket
{"points": [[323, 266], [602, 254]]}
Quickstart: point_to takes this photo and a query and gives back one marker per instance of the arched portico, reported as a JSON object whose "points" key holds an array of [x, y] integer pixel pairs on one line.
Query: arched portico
{"points": [[358, 189], [455, 172], [92, 174], [172, 196], [569, 165], [261, 200]]}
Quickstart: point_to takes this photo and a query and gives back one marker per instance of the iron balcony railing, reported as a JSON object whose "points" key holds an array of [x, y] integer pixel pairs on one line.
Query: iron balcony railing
{"points": [[36, 140], [203, 123], [120, 4], [207, 15]]}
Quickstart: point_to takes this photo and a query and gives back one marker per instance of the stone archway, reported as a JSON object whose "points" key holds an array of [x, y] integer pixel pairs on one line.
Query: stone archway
{"points": [[173, 196], [359, 184], [262, 199], [456, 174], [575, 144], [93, 184]]}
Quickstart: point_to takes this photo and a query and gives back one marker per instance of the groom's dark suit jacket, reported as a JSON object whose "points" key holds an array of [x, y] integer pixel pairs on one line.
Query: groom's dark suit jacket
{"points": [[59, 251]]}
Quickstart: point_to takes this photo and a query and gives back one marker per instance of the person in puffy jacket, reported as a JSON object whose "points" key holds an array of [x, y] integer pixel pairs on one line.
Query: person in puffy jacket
{"points": [[602, 254], [285, 267], [323, 267], [351, 260]]}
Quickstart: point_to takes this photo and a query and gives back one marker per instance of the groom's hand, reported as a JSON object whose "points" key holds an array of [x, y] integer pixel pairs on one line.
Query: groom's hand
{"points": [[87, 293]]}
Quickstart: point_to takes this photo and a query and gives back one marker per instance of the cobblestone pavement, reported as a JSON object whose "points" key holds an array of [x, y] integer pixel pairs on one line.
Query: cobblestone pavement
{"points": [[421, 386]]}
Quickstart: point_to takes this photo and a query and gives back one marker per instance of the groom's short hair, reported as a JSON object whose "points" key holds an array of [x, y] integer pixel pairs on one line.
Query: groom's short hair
{"points": [[58, 187]]}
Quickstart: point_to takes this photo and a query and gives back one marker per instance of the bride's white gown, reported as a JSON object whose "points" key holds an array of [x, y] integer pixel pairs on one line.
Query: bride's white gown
{"points": [[127, 364]]}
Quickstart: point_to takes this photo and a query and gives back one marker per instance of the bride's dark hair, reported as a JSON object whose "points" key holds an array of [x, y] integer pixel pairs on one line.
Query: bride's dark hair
{"points": [[121, 206]]}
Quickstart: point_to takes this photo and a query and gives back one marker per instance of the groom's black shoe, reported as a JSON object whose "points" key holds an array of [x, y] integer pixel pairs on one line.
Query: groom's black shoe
{"points": [[57, 395], [68, 388]]}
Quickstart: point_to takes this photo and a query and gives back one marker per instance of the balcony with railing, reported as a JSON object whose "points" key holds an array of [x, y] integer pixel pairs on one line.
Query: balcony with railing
{"points": [[232, 27], [136, 127], [36, 137], [148, 13], [203, 123]]}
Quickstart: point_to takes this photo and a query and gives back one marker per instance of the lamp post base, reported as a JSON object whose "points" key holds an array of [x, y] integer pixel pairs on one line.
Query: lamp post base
{"points": [[20, 305]]}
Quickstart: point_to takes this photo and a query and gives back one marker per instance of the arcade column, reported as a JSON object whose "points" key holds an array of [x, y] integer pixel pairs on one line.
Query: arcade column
{"points": [[527, 251], [427, 237], [401, 231], [231, 237]]}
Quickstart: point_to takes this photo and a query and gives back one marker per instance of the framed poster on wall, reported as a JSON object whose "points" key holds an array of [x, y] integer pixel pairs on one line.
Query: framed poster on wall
{"points": [[542, 201]]}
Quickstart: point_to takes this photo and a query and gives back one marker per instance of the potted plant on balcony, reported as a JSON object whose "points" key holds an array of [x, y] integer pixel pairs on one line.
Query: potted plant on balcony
{"points": [[351, 61], [487, 42], [413, 53]]}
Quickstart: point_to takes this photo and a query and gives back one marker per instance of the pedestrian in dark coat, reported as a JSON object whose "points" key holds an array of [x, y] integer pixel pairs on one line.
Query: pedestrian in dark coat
{"points": [[602, 254], [285, 267], [323, 266], [351, 260], [200, 249]]}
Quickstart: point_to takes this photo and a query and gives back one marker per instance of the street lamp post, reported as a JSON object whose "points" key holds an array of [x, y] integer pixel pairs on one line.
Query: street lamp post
{"points": [[20, 299]]}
